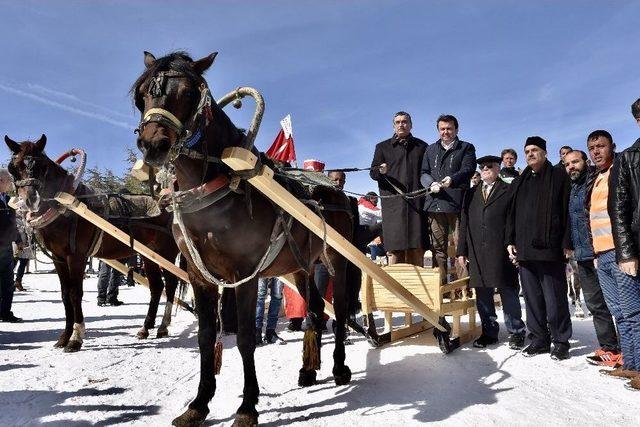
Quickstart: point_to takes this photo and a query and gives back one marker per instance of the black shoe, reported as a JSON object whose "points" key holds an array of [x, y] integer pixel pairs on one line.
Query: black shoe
{"points": [[484, 341], [101, 303], [516, 341], [560, 352], [10, 318], [259, 337], [295, 324], [270, 337], [115, 303], [534, 350]]}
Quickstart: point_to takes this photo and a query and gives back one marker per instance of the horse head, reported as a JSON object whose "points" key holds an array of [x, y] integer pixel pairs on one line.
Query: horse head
{"points": [[36, 176], [169, 94]]}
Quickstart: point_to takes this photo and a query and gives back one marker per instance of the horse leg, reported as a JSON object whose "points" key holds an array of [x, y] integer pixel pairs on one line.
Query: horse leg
{"points": [[155, 287], [246, 300], [312, 340], [341, 372], [171, 283], [76, 274], [63, 276], [206, 297]]}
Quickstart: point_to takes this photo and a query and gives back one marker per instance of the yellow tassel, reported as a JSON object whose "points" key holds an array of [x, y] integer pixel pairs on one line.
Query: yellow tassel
{"points": [[217, 357], [310, 350]]}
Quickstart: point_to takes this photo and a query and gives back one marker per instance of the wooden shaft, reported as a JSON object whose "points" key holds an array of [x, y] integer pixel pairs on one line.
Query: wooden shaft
{"points": [[240, 159]]}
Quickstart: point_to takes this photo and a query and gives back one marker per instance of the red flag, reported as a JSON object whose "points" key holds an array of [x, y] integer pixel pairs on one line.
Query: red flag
{"points": [[282, 148]]}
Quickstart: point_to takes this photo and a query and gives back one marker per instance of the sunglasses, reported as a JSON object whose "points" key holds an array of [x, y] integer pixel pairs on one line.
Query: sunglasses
{"points": [[486, 166]]}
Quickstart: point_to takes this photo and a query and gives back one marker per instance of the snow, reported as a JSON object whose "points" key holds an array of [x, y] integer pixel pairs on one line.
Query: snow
{"points": [[117, 379]]}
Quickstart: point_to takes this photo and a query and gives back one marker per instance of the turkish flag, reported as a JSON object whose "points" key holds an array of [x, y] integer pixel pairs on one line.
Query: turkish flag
{"points": [[282, 148]]}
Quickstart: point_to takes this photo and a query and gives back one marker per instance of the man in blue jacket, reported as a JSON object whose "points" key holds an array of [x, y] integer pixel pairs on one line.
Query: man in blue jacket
{"points": [[447, 167], [609, 352]]}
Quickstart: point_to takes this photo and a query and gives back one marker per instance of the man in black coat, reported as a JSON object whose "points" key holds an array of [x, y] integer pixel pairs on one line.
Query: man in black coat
{"points": [[537, 238], [447, 167], [396, 167], [482, 227], [8, 235]]}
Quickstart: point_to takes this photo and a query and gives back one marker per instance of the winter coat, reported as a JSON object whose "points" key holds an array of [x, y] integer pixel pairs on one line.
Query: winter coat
{"points": [[8, 229], [623, 203], [482, 229], [579, 220], [459, 163], [404, 223]]}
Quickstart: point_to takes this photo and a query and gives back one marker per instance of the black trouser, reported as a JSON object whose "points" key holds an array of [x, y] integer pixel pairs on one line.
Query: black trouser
{"points": [[510, 308], [593, 297], [108, 281], [545, 295], [7, 285], [22, 266]]}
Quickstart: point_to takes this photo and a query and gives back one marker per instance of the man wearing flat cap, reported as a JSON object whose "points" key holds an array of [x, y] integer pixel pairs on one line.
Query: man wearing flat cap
{"points": [[537, 238], [482, 230]]}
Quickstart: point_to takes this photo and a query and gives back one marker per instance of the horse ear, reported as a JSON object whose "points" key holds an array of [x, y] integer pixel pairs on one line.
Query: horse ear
{"points": [[41, 142], [13, 146], [202, 65], [149, 59]]}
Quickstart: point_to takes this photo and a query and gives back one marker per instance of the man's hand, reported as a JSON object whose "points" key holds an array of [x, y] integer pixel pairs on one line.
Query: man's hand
{"points": [[568, 253], [383, 168], [629, 267], [446, 182], [435, 187], [511, 250], [462, 260]]}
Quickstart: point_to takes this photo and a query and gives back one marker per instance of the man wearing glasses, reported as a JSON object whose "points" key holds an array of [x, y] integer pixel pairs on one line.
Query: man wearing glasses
{"points": [[481, 244]]}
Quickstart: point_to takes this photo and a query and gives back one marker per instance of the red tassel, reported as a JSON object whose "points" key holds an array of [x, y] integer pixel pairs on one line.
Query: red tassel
{"points": [[217, 357]]}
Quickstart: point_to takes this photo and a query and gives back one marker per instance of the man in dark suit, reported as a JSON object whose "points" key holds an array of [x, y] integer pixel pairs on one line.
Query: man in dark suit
{"points": [[8, 235], [481, 244]]}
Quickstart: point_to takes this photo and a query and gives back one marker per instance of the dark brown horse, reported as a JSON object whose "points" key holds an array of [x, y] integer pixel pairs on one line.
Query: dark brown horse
{"points": [[71, 239], [232, 231]]}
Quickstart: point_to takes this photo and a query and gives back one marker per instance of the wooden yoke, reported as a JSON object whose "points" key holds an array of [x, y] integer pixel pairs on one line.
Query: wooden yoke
{"points": [[240, 159], [70, 202]]}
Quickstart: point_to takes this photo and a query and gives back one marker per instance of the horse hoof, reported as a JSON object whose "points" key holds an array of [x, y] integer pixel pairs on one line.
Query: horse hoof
{"points": [[306, 378], [61, 343], [342, 376], [190, 418], [162, 332], [245, 420], [72, 346], [143, 334]]}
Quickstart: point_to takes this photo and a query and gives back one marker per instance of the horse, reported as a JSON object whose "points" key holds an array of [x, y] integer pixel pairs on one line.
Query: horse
{"points": [[226, 231], [71, 240]]}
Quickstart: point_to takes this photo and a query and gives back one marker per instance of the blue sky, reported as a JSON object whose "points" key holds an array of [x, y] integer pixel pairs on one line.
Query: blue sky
{"points": [[506, 69]]}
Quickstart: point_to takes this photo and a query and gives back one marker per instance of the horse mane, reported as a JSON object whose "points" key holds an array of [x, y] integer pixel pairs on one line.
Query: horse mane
{"points": [[177, 61]]}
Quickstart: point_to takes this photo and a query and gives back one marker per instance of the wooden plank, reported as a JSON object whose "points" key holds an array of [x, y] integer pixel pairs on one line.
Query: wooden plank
{"points": [[70, 202], [407, 331], [241, 159], [142, 280], [388, 321]]}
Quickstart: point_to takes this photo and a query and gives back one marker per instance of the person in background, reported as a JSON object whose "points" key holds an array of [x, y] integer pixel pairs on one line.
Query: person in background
{"points": [[475, 179], [370, 216], [274, 286], [447, 167], [482, 228], [509, 172], [8, 235], [537, 238], [23, 252], [396, 168], [109, 279], [609, 352], [564, 150]]}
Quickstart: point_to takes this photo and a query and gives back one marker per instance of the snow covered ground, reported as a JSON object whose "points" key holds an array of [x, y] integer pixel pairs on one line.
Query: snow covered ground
{"points": [[118, 379]]}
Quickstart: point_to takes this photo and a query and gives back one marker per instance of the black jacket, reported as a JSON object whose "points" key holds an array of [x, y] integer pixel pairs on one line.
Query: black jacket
{"points": [[623, 204], [459, 163], [403, 224], [8, 229], [537, 223], [482, 229]]}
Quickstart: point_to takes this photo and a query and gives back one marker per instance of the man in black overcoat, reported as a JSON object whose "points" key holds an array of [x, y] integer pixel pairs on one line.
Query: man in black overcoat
{"points": [[482, 226], [8, 235], [538, 238], [396, 167]]}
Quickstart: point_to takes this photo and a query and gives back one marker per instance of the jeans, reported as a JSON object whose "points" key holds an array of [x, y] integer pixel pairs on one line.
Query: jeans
{"points": [[7, 286], [274, 305], [593, 297], [545, 294], [510, 307], [22, 265], [622, 294], [108, 281], [376, 251]]}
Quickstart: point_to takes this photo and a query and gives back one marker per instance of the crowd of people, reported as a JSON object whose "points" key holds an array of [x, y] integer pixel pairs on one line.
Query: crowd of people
{"points": [[514, 230]]}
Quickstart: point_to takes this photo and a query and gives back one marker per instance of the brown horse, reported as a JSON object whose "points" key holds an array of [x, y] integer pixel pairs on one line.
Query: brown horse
{"points": [[71, 240], [232, 231]]}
